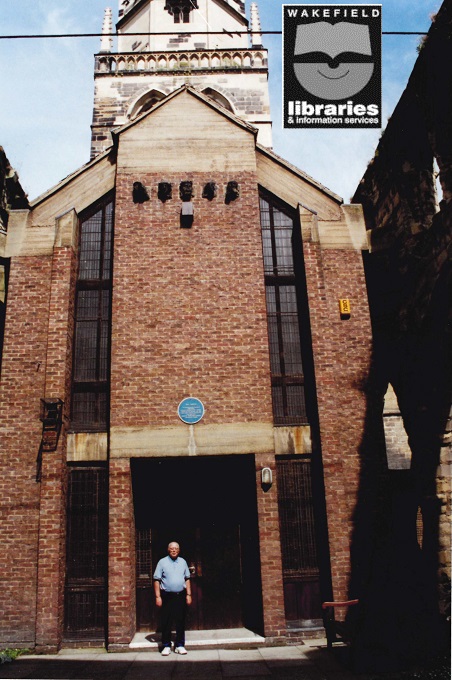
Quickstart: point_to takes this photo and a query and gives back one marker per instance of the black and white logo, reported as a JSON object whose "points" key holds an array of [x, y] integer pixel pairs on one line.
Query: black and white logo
{"points": [[332, 66]]}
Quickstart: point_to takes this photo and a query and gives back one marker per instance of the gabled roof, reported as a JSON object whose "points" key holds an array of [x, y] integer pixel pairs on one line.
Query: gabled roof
{"points": [[129, 13], [141, 3], [84, 168], [195, 93], [293, 168]]}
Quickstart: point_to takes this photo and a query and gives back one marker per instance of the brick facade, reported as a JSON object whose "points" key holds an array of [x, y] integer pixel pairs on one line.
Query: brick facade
{"points": [[188, 319], [181, 328], [22, 386], [342, 355]]}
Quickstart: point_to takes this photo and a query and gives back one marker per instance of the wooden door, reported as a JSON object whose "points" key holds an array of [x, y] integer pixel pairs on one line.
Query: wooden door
{"points": [[213, 555], [207, 505]]}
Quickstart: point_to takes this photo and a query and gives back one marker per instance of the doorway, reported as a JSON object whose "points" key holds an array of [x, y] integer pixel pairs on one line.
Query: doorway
{"points": [[208, 505]]}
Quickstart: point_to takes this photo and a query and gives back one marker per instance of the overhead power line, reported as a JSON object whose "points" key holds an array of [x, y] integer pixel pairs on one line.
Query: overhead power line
{"points": [[48, 36]]}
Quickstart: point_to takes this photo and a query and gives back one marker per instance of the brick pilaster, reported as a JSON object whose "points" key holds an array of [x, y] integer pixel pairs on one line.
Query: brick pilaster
{"points": [[270, 548], [342, 353], [121, 557], [21, 387], [52, 524]]}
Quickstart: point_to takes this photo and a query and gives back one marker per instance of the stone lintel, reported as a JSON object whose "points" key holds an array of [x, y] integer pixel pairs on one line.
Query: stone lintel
{"points": [[290, 440], [185, 440], [87, 446]]}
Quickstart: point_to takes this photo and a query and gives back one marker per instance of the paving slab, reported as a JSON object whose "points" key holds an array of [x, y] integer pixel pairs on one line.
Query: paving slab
{"points": [[291, 662]]}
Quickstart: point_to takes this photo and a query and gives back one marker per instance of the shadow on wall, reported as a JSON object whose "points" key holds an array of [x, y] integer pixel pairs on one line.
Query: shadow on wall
{"points": [[402, 618]]}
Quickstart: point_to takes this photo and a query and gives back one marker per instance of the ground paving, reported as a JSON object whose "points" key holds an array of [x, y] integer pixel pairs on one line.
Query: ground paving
{"points": [[294, 662], [298, 662]]}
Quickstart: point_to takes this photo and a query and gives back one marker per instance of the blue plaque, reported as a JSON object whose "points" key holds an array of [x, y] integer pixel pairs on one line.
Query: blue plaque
{"points": [[190, 410]]}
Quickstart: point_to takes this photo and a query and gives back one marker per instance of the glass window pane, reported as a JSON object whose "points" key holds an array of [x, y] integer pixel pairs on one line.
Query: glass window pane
{"points": [[284, 257], [275, 361], [291, 345], [296, 407], [90, 247], [267, 251], [288, 299], [86, 341], [87, 304]]}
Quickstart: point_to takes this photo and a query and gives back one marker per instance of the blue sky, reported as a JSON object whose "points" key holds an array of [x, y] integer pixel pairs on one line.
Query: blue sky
{"points": [[46, 93]]}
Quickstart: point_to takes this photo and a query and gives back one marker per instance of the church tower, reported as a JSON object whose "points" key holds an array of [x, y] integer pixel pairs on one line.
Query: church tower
{"points": [[163, 44]]}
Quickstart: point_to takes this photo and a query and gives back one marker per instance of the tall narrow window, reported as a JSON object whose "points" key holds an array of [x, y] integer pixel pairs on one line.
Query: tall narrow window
{"points": [[288, 385], [86, 553], [90, 385]]}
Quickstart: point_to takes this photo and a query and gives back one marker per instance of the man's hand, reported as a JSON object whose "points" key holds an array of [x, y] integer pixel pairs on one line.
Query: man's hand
{"points": [[188, 598], [158, 601]]}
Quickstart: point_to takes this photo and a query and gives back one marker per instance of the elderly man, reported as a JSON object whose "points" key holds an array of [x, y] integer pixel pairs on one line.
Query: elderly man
{"points": [[172, 590]]}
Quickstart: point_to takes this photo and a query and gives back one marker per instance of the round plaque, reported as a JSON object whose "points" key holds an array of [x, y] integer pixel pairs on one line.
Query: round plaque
{"points": [[190, 410]]}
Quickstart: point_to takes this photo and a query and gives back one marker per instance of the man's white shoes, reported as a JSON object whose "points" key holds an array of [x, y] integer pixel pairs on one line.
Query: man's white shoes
{"points": [[180, 650], [166, 651]]}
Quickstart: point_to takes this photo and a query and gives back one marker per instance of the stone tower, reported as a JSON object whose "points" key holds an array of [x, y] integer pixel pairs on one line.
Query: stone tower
{"points": [[163, 44]]}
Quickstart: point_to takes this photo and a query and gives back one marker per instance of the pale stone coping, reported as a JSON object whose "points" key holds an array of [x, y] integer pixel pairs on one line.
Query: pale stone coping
{"points": [[67, 228], [185, 440], [348, 233]]}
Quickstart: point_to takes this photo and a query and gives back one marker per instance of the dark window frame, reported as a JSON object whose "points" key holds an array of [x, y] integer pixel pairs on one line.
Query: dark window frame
{"points": [[93, 381], [281, 269], [85, 599]]}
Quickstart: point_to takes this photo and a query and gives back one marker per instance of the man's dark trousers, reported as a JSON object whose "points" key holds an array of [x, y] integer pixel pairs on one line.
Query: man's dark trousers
{"points": [[174, 607]]}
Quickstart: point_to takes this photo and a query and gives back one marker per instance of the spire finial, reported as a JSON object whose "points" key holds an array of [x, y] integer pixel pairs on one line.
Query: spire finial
{"points": [[256, 37], [106, 42]]}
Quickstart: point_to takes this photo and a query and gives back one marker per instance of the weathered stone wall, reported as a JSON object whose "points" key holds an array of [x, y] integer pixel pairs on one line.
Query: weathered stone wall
{"points": [[115, 93], [409, 273]]}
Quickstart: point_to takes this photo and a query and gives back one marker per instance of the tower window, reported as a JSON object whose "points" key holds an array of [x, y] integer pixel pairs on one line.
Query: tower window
{"points": [[180, 9]]}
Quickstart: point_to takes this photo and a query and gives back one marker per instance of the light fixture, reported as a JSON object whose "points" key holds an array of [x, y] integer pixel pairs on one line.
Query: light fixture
{"points": [[266, 478], [186, 214]]}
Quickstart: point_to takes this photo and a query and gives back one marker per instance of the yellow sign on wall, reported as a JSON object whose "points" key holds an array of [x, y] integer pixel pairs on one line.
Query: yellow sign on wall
{"points": [[344, 306]]}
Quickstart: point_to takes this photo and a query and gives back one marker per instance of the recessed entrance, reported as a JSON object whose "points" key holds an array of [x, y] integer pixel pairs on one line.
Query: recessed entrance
{"points": [[209, 506]]}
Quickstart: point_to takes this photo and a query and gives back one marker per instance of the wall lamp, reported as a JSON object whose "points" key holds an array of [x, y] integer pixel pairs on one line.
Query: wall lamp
{"points": [[266, 478]]}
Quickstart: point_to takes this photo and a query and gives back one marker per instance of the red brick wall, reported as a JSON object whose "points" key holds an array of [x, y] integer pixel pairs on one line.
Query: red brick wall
{"points": [[36, 364], [270, 550], [342, 352], [52, 529], [181, 327], [121, 557], [21, 387]]}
